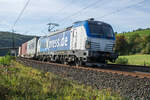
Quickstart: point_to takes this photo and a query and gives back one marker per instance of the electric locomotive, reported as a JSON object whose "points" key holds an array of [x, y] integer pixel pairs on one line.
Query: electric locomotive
{"points": [[84, 42]]}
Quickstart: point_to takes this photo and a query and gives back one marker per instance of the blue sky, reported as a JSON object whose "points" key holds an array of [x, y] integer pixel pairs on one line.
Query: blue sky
{"points": [[123, 15]]}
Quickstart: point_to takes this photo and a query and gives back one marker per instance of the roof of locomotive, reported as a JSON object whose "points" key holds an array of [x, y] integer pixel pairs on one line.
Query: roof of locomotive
{"points": [[75, 24], [80, 23], [58, 31]]}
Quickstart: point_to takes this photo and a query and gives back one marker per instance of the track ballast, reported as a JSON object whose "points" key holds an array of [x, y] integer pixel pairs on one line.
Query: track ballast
{"points": [[129, 83]]}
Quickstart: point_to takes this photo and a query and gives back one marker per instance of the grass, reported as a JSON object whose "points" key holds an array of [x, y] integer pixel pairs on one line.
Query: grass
{"points": [[18, 82], [138, 59], [121, 60]]}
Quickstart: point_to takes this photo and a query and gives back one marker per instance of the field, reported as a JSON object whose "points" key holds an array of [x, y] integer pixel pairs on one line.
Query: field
{"points": [[138, 59], [18, 82]]}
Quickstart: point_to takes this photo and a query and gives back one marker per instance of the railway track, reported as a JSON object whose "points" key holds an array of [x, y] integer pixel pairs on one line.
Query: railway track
{"points": [[129, 82], [131, 68]]}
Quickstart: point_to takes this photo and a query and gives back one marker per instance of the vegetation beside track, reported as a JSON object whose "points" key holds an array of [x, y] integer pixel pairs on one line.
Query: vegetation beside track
{"points": [[6, 60], [19, 82], [138, 59], [131, 43]]}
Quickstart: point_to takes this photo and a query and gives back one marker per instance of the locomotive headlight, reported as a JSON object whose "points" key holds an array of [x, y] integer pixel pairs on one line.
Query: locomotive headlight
{"points": [[88, 44]]}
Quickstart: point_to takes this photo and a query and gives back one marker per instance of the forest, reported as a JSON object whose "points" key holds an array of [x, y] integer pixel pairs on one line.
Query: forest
{"points": [[136, 42]]}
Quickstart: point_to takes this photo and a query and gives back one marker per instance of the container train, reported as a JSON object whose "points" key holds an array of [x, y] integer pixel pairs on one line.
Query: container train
{"points": [[87, 41]]}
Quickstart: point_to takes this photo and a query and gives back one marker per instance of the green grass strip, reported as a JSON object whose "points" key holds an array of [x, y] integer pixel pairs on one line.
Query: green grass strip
{"points": [[19, 82], [138, 59]]}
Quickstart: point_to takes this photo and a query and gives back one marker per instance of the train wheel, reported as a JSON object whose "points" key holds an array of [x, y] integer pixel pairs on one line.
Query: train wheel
{"points": [[78, 63], [44, 59], [66, 63]]}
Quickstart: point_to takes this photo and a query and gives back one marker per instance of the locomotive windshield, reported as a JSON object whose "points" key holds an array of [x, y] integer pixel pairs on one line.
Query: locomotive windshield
{"points": [[101, 30]]}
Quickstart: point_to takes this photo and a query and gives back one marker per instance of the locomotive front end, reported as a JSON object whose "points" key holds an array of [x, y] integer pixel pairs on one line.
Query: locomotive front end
{"points": [[100, 42]]}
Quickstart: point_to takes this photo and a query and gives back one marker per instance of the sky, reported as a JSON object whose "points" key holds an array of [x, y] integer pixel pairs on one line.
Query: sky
{"points": [[123, 15]]}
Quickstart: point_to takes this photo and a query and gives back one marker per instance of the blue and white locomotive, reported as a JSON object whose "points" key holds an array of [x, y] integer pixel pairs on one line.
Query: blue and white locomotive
{"points": [[84, 42]]}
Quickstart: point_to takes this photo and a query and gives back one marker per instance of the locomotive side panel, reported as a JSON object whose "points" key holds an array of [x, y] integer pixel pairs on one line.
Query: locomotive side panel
{"points": [[54, 43], [78, 38]]}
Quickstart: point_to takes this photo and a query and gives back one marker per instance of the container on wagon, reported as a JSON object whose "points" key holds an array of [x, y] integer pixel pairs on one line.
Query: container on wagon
{"points": [[19, 51], [24, 50], [32, 48]]}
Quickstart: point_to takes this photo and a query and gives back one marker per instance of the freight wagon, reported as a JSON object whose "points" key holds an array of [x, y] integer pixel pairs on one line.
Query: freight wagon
{"points": [[32, 48], [23, 50], [28, 49]]}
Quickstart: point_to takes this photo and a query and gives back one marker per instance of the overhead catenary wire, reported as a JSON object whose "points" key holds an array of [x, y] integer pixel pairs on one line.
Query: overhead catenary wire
{"points": [[119, 10], [62, 9], [66, 6], [88, 6], [20, 14], [109, 14], [106, 15], [94, 7], [15, 22], [82, 11]]}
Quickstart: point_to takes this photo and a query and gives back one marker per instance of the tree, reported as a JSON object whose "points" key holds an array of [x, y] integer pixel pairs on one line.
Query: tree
{"points": [[146, 44], [121, 45], [147, 49], [134, 43]]}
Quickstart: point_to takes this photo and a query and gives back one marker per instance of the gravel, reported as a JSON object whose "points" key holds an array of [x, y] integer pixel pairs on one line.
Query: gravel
{"points": [[134, 88]]}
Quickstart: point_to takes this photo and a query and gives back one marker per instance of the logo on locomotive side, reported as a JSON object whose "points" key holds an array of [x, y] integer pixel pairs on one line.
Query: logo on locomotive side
{"points": [[61, 41]]}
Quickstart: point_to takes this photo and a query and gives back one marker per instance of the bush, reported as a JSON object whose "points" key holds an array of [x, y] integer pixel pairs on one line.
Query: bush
{"points": [[6, 60], [122, 61]]}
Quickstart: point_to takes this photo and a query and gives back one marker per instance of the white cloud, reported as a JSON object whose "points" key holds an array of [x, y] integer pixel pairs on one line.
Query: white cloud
{"points": [[41, 12]]}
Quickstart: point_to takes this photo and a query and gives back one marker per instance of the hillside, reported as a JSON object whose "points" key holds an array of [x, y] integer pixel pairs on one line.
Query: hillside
{"points": [[141, 32], [6, 40], [136, 42]]}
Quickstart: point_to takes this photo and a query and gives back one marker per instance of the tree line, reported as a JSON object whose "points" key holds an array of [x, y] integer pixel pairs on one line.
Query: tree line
{"points": [[132, 44]]}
